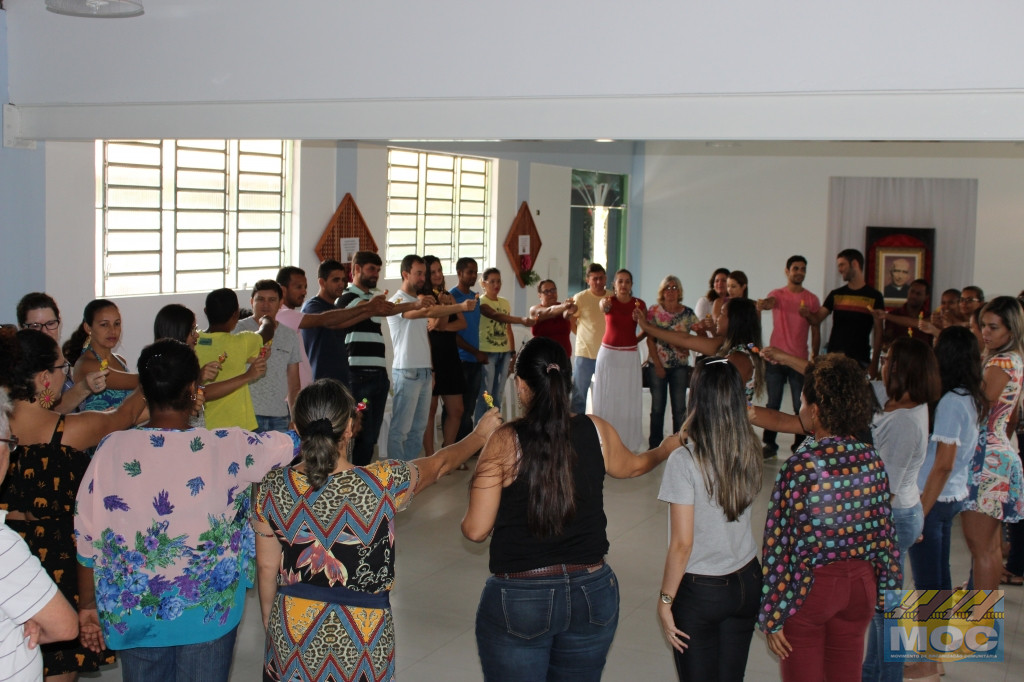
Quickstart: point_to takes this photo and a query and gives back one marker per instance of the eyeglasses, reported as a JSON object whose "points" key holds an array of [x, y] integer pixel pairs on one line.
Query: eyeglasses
{"points": [[671, 287], [39, 326], [549, 291], [12, 443], [63, 367]]}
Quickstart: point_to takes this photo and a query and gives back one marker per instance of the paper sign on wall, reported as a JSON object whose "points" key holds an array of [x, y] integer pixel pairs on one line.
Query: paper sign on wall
{"points": [[349, 246], [524, 245]]}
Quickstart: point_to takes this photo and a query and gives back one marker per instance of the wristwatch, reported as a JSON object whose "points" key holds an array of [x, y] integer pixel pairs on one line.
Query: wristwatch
{"points": [[666, 598]]}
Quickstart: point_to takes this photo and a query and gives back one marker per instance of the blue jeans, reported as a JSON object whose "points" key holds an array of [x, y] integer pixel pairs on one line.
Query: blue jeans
{"points": [[473, 376], [371, 383], [929, 558], [555, 629], [677, 380], [776, 377], [493, 377], [203, 662], [718, 613], [582, 376], [265, 423], [909, 522], [410, 409]]}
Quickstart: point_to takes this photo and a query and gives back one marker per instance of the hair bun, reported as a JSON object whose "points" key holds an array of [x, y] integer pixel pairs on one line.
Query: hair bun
{"points": [[320, 427]]}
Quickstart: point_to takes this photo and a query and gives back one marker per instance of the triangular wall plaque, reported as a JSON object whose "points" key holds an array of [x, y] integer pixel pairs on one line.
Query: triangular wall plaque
{"points": [[348, 222]]}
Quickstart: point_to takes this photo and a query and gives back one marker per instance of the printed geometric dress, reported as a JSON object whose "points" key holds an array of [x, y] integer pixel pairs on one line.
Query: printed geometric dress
{"points": [[331, 620], [43, 480], [995, 485]]}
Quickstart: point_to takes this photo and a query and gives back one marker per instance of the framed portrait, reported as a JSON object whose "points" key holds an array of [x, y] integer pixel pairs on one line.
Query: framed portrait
{"points": [[895, 268], [896, 256]]}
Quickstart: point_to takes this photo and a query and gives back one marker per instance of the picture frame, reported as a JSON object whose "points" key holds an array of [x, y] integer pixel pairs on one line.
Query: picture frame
{"points": [[913, 247], [895, 268]]}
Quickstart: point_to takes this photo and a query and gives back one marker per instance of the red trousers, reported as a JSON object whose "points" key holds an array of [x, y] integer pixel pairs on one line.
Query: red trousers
{"points": [[827, 633]]}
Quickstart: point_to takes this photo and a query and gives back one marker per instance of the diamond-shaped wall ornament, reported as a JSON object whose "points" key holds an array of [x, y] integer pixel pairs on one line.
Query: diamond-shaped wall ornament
{"points": [[347, 221], [522, 225]]}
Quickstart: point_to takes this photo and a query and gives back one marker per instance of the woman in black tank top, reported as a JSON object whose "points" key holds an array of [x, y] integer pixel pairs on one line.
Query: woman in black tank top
{"points": [[551, 608]]}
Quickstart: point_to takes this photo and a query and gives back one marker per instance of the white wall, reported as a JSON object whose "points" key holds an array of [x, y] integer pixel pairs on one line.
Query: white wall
{"points": [[751, 212], [576, 69]]}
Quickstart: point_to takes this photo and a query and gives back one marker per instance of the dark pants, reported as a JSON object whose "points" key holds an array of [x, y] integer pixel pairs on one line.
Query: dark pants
{"points": [[776, 377], [471, 371], [371, 383], [929, 558], [674, 385], [718, 613], [827, 633]]}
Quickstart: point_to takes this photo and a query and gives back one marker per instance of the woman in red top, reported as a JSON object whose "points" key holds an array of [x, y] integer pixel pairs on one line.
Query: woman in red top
{"points": [[553, 316], [618, 384]]}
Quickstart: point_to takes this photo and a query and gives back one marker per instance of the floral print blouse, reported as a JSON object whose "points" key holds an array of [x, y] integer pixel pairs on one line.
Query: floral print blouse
{"points": [[830, 503], [162, 519], [679, 321]]}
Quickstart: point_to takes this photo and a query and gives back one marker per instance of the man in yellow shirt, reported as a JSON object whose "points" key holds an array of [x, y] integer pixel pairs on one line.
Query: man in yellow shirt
{"points": [[234, 352], [588, 326]]}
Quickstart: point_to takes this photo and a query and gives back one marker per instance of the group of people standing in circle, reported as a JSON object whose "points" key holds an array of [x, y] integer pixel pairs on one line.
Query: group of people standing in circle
{"points": [[168, 538]]}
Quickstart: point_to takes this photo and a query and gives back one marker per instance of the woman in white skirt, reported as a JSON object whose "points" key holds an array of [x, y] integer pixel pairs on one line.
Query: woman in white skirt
{"points": [[618, 387]]}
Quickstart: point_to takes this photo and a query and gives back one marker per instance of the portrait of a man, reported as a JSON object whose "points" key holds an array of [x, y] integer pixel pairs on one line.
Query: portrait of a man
{"points": [[899, 274]]}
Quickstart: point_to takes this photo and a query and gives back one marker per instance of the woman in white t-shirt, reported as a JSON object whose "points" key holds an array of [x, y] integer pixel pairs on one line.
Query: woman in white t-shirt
{"points": [[711, 588]]}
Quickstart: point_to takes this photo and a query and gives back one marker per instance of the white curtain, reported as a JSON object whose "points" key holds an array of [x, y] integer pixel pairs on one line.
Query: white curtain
{"points": [[947, 204]]}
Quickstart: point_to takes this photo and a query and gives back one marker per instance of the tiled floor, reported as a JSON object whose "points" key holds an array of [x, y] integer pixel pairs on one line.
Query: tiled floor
{"points": [[440, 575]]}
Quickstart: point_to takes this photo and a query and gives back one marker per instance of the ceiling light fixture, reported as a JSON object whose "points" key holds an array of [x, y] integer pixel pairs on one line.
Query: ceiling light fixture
{"points": [[96, 9]]}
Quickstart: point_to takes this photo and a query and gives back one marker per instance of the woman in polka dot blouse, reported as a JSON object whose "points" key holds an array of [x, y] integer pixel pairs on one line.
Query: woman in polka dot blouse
{"points": [[829, 546]]}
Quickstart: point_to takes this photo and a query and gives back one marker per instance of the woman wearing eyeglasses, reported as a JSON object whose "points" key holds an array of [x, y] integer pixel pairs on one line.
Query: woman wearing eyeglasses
{"points": [[46, 470], [39, 311], [553, 316], [668, 366]]}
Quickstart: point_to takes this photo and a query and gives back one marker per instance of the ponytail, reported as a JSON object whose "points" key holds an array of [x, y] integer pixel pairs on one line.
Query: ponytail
{"points": [[323, 411]]}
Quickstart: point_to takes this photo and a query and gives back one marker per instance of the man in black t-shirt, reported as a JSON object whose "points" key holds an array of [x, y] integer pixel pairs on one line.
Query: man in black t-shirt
{"points": [[856, 332]]}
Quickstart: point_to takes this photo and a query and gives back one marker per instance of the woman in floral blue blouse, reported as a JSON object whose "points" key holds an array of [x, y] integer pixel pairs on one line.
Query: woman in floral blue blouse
{"points": [[163, 534]]}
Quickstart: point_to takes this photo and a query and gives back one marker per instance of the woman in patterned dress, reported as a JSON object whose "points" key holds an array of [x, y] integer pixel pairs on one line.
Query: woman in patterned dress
{"points": [[325, 549], [45, 473], [821, 588], [994, 487]]}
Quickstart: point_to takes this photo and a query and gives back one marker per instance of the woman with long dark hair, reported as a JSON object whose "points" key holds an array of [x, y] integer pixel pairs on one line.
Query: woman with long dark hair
{"points": [[449, 382], [91, 349], [325, 546], [910, 382], [994, 487], [738, 338], [45, 475], [943, 477], [712, 583], [538, 492], [717, 288]]}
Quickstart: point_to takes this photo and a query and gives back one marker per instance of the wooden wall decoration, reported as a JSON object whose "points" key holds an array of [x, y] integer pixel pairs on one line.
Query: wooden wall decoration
{"points": [[522, 225], [347, 221]]}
